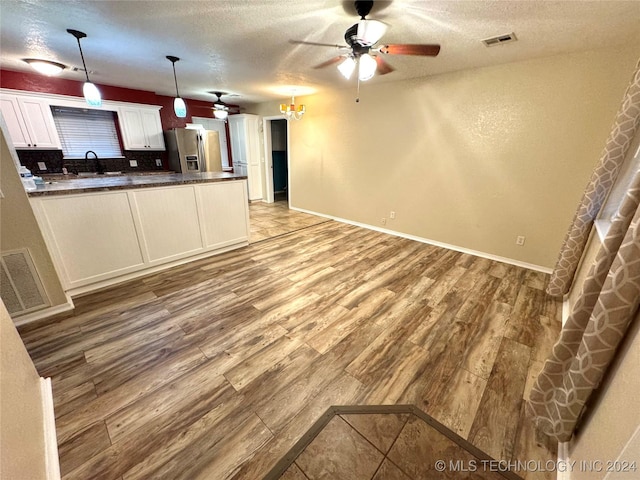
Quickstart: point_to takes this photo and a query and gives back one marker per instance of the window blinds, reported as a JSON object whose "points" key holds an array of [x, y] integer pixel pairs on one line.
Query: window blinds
{"points": [[82, 129]]}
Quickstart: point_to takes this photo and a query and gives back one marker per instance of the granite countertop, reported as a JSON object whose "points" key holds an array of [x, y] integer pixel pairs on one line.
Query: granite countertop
{"points": [[104, 183]]}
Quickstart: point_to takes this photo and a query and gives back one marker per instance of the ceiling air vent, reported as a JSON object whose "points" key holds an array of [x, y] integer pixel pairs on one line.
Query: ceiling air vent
{"points": [[500, 39]]}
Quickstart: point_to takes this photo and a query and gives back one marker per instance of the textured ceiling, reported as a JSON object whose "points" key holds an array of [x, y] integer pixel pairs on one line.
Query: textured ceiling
{"points": [[243, 46]]}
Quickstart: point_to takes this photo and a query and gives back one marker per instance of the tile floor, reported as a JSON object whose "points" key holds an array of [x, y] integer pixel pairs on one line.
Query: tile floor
{"points": [[389, 446], [270, 220]]}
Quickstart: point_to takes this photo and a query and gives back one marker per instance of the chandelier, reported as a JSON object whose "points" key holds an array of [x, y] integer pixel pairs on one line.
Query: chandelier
{"points": [[292, 110]]}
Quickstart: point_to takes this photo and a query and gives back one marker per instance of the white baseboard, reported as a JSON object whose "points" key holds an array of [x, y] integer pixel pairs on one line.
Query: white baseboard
{"points": [[50, 439], [456, 248], [44, 313], [87, 289]]}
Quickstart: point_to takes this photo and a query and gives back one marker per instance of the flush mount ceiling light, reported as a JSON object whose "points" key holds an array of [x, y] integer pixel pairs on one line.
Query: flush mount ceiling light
{"points": [[179, 107], [91, 92], [45, 67], [220, 109], [292, 111]]}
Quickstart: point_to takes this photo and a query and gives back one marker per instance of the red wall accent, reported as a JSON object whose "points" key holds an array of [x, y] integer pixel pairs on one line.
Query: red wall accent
{"points": [[34, 82]]}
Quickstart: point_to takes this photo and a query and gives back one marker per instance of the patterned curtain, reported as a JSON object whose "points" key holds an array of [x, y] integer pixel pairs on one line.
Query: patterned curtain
{"points": [[599, 320], [602, 179]]}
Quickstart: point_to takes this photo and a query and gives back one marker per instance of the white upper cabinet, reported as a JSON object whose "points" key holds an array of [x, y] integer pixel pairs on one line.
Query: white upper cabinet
{"points": [[141, 128], [30, 122]]}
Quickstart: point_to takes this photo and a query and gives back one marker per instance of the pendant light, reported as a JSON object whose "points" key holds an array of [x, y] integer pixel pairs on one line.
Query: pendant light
{"points": [[91, 92], [179, 107]]}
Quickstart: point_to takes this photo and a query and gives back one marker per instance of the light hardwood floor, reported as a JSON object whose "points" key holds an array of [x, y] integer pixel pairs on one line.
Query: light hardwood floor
{"points": [[216, 368]]}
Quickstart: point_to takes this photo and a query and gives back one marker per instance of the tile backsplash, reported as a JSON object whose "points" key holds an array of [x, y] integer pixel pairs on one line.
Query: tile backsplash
{"points": [[54, 162]]}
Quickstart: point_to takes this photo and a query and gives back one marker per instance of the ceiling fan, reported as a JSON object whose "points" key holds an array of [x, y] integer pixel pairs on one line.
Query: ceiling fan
{"points": [[362, 49], [220, 109]]}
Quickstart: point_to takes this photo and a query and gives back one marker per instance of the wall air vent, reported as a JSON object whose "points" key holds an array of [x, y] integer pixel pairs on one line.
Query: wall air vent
{"points": [[500, 39], [21, 289]]}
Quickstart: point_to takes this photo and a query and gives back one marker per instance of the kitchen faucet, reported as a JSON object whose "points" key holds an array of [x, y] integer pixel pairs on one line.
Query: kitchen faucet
{"points": [[99, 169]]}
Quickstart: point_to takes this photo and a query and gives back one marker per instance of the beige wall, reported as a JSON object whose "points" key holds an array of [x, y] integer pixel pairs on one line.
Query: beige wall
{"points": [[614, 417], [472, 158], [22, 427], [18, 226]]}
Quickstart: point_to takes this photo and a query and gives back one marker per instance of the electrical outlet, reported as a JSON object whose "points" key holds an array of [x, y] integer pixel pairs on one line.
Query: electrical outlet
{"points": [[520, 240], [384, 221], [158, 162], [392, 215], [133, 163], [42, 165]]}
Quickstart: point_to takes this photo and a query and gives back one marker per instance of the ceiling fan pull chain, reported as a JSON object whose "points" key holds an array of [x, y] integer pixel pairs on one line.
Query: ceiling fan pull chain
{"points": [[358, 92]]}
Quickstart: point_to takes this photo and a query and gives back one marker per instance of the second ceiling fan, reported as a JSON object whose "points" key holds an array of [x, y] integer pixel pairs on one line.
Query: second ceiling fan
{"points": [[361, 50]]}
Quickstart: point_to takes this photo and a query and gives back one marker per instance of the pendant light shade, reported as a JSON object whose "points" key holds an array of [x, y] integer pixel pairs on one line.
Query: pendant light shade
{"points": [[179, 107], [92, 94], [90, 91]]}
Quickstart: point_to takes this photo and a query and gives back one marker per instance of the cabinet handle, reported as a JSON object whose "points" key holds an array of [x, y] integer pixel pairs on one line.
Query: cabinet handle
{"points": [[35, 145]]}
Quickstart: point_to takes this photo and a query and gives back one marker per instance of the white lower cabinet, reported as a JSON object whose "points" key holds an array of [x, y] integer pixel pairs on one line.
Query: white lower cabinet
{"points": [[91, 237], [97, 239], [168, 219], [222, 213]]}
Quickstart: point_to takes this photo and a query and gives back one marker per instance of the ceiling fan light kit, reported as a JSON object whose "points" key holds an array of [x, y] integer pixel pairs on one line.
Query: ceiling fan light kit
{"points": [[361, 48], [90, 91], [347, 67], [220, 109], [367, 67], [45, 67], [179, 107]]}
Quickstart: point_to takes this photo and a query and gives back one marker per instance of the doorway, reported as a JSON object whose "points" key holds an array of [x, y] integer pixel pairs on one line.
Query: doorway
{"points": [[220, 127], [276, 145]]}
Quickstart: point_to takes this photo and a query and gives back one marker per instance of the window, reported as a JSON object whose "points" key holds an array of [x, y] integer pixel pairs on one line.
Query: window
{"points": [[629, 169], [83, 129]]}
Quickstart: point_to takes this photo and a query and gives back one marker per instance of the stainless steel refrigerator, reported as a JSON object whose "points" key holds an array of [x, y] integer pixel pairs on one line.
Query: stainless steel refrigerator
{"points": [[193, 150]]}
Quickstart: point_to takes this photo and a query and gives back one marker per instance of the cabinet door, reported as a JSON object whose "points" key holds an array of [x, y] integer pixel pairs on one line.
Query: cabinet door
{"points": [[223, 208], [132, 128], [237, 134], [168, 222], [15, 123], [91, 237], [152, 129], [39, 120]]}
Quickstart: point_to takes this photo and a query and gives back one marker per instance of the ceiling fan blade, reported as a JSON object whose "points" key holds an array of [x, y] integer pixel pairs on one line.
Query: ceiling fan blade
{"points": [[317, 44], [330, 62], [383, 67], [411, 49]]}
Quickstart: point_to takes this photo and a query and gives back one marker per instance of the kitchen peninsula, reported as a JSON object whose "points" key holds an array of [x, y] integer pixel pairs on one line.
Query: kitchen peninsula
{"points": [[106, 229]]}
